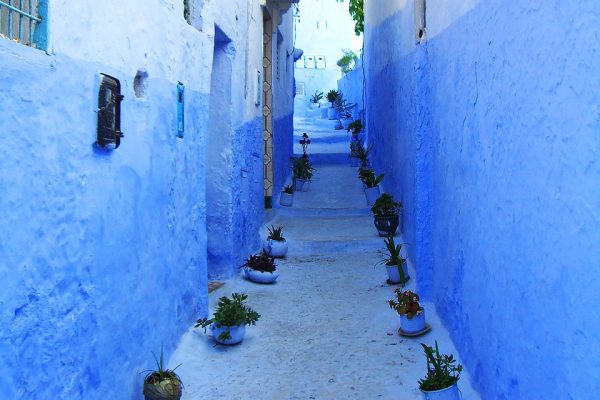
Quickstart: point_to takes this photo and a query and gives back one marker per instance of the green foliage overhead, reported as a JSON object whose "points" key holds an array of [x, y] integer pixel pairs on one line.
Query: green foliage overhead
{"points": [[356, 10]]}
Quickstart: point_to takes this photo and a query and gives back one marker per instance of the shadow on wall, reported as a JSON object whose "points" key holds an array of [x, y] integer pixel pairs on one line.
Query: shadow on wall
{"points": [[219, 162]]}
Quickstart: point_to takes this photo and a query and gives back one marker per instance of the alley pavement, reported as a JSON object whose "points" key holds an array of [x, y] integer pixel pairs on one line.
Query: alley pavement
{"points": [[326, 330]]}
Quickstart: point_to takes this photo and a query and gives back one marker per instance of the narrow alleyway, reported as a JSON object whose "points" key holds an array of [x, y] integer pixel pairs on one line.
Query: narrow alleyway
{"points": [[326, 331]]}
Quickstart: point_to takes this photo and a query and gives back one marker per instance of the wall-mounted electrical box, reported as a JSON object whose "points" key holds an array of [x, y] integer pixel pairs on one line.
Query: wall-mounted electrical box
{"points": [[109, 113], [180, 110]]}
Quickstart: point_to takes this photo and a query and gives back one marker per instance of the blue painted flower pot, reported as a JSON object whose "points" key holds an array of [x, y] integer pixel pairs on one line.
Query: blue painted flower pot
{"points": [[414, 324], [394, 273], [299, 184], [275, 248], [260, 276], [237, 333], [450, 393]]}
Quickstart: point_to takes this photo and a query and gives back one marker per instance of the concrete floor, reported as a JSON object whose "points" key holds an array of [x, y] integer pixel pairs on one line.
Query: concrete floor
{"points": [[326, 331]]}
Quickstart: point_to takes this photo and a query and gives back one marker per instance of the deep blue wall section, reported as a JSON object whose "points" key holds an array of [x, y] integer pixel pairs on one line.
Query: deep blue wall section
{"points": [[283, 149], [103, 254], [503, 105], [248, 195]]}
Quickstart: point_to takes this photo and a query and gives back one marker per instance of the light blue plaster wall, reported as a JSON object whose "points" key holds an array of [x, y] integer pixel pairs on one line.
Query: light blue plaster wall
{"points": [[506, 102], [102, 255], [351, 85]]}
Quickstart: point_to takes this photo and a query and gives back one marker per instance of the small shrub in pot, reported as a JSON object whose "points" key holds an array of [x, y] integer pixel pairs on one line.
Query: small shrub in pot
{"points": [[230, 319], [442, 375], [386, 212], [412, 315], [396, 265]]}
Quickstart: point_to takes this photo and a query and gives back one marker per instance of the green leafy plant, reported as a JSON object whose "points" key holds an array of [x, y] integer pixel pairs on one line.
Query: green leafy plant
{"points": [[361, 152], [261, 262], [356, 10], [347, 61], [162, 382], [230, 312], [442, 371], [367, 175], [275, 233], [289, 189], [355, 128], [406, 303], [393, 257], [332, 96], [385, 205], [302, 168], [315, 98]]}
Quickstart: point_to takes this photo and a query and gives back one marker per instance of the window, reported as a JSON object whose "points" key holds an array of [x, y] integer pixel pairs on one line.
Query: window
{"points": [[320, 62], [109, 113], [309, 62], [24, 21]]}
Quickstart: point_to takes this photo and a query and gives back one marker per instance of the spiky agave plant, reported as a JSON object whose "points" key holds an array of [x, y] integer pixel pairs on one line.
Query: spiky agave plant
{"points": [[275, 233], [162, 384]]}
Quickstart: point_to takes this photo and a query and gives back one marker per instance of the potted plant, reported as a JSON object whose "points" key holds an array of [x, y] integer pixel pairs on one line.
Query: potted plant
{"points": [[397, 269], [360, 152], [162, 384], [228, 324], [332, 96], [275, 245], [386, 213], [343, 111], [287, 196], [371, 181], [442, 375], [355, 128], [302, 172], [315, 100], [412, 315], [354, 152], [347, 61], [261, 268], [304, 142]]}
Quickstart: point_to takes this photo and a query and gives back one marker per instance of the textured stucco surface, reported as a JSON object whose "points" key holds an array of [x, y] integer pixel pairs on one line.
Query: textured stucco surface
{"points": [[283, 142], [103, 254], [509, 106]]}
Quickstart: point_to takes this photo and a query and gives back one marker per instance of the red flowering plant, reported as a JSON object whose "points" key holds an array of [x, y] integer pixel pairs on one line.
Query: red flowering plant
{"points": [[407, 303]]}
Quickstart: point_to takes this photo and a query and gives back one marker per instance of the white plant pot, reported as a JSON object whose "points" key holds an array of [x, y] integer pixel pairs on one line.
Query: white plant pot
{"points": [[286, 199], [237, 333], [306, 186], [261, 276], [449, 393], [275, 248], [372, 195], [414, 324], [394, 273], [314, 106], [332, 113]]}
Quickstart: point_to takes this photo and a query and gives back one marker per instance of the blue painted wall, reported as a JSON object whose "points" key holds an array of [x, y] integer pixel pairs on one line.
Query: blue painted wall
{"points": [[102, 254], [490, 138], [248, 193], [283, 149]]}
